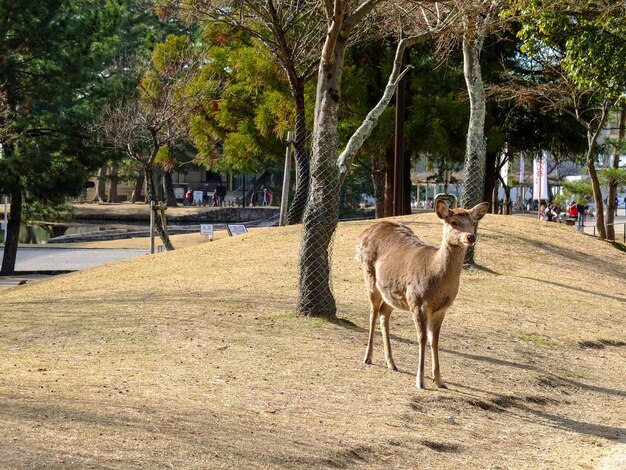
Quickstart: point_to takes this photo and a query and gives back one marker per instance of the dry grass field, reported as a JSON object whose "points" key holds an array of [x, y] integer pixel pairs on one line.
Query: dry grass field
{"points": [[197, 359]]}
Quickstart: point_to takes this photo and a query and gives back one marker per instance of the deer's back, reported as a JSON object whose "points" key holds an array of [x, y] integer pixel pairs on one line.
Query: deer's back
{"points": [[392, 245], [398, 265]]}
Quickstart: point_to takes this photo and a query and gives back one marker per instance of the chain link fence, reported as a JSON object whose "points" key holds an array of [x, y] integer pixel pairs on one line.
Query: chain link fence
{"points": [[301, 151], [318, 229], [474, 180]]}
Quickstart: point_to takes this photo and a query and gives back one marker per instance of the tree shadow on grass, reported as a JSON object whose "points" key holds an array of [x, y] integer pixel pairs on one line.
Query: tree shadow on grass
{"points": [[508, 403], [574, 289]]}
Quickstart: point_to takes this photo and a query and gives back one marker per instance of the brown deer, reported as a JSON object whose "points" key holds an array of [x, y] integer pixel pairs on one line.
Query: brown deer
{"points": [[403, 272]]}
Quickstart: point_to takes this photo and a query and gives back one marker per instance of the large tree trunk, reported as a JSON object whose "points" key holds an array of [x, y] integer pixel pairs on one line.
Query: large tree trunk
{"points": [[168, 186], [159, 222], [114, 177], [475, 151], [611, 207], [301, 157], [13, 233], [100, 195], [320, 217]]}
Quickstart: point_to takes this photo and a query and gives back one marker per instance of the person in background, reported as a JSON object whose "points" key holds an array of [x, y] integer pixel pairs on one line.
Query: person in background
{"points": [[267, 197]]}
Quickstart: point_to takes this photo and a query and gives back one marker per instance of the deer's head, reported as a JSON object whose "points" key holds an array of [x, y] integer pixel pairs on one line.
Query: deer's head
{"points": [[459, 224]]}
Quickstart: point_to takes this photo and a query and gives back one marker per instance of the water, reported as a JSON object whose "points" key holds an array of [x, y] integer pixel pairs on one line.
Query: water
{"points": [[36, 234]]}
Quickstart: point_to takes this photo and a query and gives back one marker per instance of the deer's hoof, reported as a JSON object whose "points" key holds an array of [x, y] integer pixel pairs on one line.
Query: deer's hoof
{"points": [[420, 387], [442, 385], [393, 367], [367, 360]]}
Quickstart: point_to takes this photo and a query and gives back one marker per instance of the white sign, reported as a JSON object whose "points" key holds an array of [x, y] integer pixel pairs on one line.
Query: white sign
{"points": [[197, 196], [237, 230], [540, 176], [179, 192], [206, 229]]}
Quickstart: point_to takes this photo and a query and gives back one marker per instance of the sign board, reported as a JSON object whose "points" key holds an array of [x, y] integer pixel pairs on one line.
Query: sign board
{"points": [[206, 229], [197, 196], [179, 193], [237, 230]]}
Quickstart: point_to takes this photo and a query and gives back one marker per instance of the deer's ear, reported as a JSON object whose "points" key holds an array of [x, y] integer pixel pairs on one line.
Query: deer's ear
{"points": [[479, 211], [442, 209]]}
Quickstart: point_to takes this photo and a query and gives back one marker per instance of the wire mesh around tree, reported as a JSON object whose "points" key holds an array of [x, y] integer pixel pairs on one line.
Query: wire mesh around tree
{"points": [[301, 153], [318, 229], [474, 181]]}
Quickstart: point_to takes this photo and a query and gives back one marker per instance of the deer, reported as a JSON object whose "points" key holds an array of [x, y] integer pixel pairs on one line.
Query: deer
{"points": [[404, 273]]}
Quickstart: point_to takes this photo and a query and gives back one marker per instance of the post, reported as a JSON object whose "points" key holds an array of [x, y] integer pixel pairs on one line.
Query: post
{"points": [[151, 226], [284, 199]]}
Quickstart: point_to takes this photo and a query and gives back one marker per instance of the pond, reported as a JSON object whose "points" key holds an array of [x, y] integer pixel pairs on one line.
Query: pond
{"points": [[40, 233]]}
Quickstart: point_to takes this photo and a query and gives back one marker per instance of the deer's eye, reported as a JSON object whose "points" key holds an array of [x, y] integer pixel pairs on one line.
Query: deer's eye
{"points": [[454, 224]]}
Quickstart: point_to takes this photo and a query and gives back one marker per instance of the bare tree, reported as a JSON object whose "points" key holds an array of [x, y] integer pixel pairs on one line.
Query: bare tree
{"points": [[149, 124]]}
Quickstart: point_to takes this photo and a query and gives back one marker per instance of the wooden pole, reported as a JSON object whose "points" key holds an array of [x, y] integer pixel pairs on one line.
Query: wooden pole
{"points": [[286, 176]]}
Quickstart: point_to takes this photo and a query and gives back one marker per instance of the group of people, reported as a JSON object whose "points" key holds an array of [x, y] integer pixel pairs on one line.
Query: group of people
{"points": [[216, 198], [552, 213], [262, 199]]}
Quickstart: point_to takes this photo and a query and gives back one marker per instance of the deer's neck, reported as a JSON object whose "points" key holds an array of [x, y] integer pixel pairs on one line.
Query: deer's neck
{"points": [[448, 260]]}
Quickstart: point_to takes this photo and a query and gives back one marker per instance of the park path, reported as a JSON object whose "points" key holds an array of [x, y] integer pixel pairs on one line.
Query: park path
{"points": [[39, 262]]}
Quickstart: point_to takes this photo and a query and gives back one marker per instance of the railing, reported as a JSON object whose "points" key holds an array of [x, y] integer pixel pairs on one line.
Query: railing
{"points": [[614, 224]]}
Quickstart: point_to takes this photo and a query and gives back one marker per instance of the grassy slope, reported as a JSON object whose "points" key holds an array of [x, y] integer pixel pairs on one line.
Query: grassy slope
{"points": [[196, 359]]}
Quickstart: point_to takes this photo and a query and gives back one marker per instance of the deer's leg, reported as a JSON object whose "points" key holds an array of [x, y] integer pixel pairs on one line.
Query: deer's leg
{"points": [[434, 326], [375, 301], [419, 319], [385, 314]]}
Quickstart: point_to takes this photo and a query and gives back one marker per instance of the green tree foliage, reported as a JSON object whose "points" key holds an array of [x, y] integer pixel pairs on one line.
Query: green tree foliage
{"points": [[580, 47], [52, 54], [244, 107], [580, 191]]}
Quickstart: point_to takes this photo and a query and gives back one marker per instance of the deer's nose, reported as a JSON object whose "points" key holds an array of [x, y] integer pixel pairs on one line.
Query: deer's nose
{"points": [[471, 239]]}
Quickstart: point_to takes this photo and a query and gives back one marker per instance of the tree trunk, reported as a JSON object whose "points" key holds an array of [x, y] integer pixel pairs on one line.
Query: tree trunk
{"points": [[301, 157], [13, 233], [378, 180], [592, 143], [320, 217], [168, 186], [160, 187], [114, 177], [137, 190], [475, 151], [100, 195], [611, 207], [159, 223], [490, 177]]}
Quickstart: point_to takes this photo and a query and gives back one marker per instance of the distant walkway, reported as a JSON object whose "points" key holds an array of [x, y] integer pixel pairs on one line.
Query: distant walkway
{"points": [[46, 259]]}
